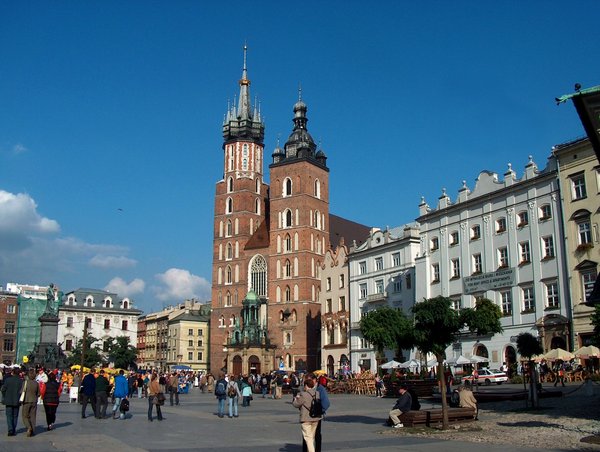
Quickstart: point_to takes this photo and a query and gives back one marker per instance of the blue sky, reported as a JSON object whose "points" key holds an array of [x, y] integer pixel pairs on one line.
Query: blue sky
{"points": [[111, 114]]}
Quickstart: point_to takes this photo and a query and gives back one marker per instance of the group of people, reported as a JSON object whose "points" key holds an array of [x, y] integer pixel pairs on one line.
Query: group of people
{"points": [[26, 390]]}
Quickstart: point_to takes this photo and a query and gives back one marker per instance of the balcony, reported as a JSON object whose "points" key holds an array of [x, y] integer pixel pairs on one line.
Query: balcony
{"points": [[377, 297]]}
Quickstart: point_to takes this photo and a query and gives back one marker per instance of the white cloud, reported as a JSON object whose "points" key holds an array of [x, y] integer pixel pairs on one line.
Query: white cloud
{"points": [[20, 220], [103, 261], [179, 285], [124, 289], [19, 149]]}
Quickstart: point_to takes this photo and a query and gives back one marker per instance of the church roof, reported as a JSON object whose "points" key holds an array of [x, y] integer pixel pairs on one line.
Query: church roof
{"points": [[341, 228]]}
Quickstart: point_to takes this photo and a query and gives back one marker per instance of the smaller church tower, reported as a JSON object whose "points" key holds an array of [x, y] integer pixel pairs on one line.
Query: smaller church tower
{"points": [[299, 228]]}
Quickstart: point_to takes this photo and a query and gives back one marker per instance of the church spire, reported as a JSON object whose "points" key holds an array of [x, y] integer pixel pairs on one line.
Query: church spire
{"points": [[243, 111], [243, 122]]}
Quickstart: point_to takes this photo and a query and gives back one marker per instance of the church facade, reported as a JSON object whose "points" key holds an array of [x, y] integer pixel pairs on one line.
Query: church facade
{"points": [[269, 244]]}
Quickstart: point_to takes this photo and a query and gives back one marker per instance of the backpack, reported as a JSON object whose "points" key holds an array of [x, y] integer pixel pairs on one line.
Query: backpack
{"points": [[316, 409], [220, 389], [231, 392], [455, 399], [124, 406]]}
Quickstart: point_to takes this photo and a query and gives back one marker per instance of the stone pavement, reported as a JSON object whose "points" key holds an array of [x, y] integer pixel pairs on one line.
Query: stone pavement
{"points": [[352, 423]]}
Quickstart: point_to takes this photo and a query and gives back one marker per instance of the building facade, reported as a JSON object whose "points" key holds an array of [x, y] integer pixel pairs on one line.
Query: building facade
{"points": [[335, 311], [8, 327], [579, 178], [269, 244], [501, 241], [188, 339], [141, 342], [382, 273], [103, 314]]}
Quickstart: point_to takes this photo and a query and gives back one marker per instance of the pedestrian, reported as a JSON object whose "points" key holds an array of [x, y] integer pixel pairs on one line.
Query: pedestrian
{"points": [[560, 374], [88, 392], [121, 392], [264, 385], [303, 401], [139, 383], [221, 394], [155, 397], [378, 386], [467, 400], [101, 395], [11, 391], [173, 388], [321, 387], [31, 390], [233, 397], [131, 384], [246, 393], [50, 393], [402, 405]]}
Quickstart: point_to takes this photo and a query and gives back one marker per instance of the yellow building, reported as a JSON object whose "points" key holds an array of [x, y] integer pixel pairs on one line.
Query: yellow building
{"points": [[188, 343], [579, 177]]}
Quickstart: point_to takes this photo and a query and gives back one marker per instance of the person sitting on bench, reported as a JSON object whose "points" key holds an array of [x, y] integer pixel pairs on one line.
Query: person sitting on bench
{"points": [[403, 405]]}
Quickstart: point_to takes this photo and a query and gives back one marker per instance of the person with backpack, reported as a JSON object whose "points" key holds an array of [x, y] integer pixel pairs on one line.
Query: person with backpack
{"points": [[221, 394], [246, 392], [121, 392], [264, 385], [311, 411], [321, 385], [233, 397]]}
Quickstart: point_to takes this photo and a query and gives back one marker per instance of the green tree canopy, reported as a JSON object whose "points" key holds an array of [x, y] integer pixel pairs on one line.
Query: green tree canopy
{"points": [[528, 345], [92, 357], [121, 352], [387, 328]]}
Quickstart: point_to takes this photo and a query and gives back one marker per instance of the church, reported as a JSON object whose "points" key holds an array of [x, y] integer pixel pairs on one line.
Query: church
{"points": [[269, 244]]}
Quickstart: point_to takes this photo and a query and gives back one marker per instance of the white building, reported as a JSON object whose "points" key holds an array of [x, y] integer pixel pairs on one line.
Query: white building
{"points": [[501, 241], [27, 290], [106, 314], [382, 273]]}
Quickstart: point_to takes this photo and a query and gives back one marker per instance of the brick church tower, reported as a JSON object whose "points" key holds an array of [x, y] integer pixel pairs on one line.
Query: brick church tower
{"points": [[268, 246]]}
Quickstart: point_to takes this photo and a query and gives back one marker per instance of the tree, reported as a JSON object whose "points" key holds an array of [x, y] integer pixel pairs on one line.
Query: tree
{"points": [[528, 346], [92, 356], [595, 320], [437, 325], [121, 352], [386, 328]]}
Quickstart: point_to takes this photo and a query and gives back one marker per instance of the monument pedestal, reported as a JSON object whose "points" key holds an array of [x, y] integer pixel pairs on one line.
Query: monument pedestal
{"points": [[47, 353]]}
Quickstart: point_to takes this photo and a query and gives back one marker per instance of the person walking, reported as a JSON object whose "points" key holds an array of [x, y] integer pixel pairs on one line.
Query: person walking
{"points": [[320, 386], [11, 391], [303, 401], [221, 394], [120, 393], [50, 393], [560, 374], [101, 395], [174, 388], [378, 386], [140, 385], [246, 392], [233, 397], [88, 392], [403, 405], [31, 390], [154, 392]]}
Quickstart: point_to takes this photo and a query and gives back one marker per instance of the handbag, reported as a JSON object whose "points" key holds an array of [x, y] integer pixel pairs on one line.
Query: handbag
{"points": [[22, 396], [160, 399]]}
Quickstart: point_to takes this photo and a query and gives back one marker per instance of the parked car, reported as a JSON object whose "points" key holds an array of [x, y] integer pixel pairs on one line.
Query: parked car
{"points": [[487, 377]]}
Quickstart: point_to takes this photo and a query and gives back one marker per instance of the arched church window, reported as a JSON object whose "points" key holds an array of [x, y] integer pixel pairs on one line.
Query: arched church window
{"points": [[229, 184], [288, 219], [257, 206], [229, 228], [258, 275], [288, 269], [257, 184], [228, 275], [229, 251], [287, 187], [228, 299], [288, 293], [229, 205], [288, 243], [317, 188]]}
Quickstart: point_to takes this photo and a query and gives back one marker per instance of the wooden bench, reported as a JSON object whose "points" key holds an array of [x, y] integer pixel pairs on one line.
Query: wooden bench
{"points": [[434, 417]]}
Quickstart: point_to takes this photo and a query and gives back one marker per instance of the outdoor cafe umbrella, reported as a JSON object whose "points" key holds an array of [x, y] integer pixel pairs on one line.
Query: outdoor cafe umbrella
{"points": [[558, 354], [587, 352], [390, 365], [180, 367], [459, 361], [409, 364]]}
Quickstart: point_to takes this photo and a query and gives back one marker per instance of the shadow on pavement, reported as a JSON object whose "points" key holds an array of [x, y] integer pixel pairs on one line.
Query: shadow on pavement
{"points": [[354, 419], [290, 448], [529, 424]]}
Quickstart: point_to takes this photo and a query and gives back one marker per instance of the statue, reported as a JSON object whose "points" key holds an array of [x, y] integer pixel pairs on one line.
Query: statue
{"points": [[51, 356], [51, 296]]}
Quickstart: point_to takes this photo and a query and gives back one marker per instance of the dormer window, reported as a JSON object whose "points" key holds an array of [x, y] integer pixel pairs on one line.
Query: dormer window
{"points": [[125, 304], [71, 301], [89, 302], [107, 303]]}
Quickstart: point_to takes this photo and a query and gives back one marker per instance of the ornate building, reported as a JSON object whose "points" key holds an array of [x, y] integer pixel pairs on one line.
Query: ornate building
{"points": [[269, 243]]}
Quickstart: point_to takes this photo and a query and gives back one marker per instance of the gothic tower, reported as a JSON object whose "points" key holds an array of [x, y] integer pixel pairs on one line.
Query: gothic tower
{"points": [[240, 210], [299, 228]]}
